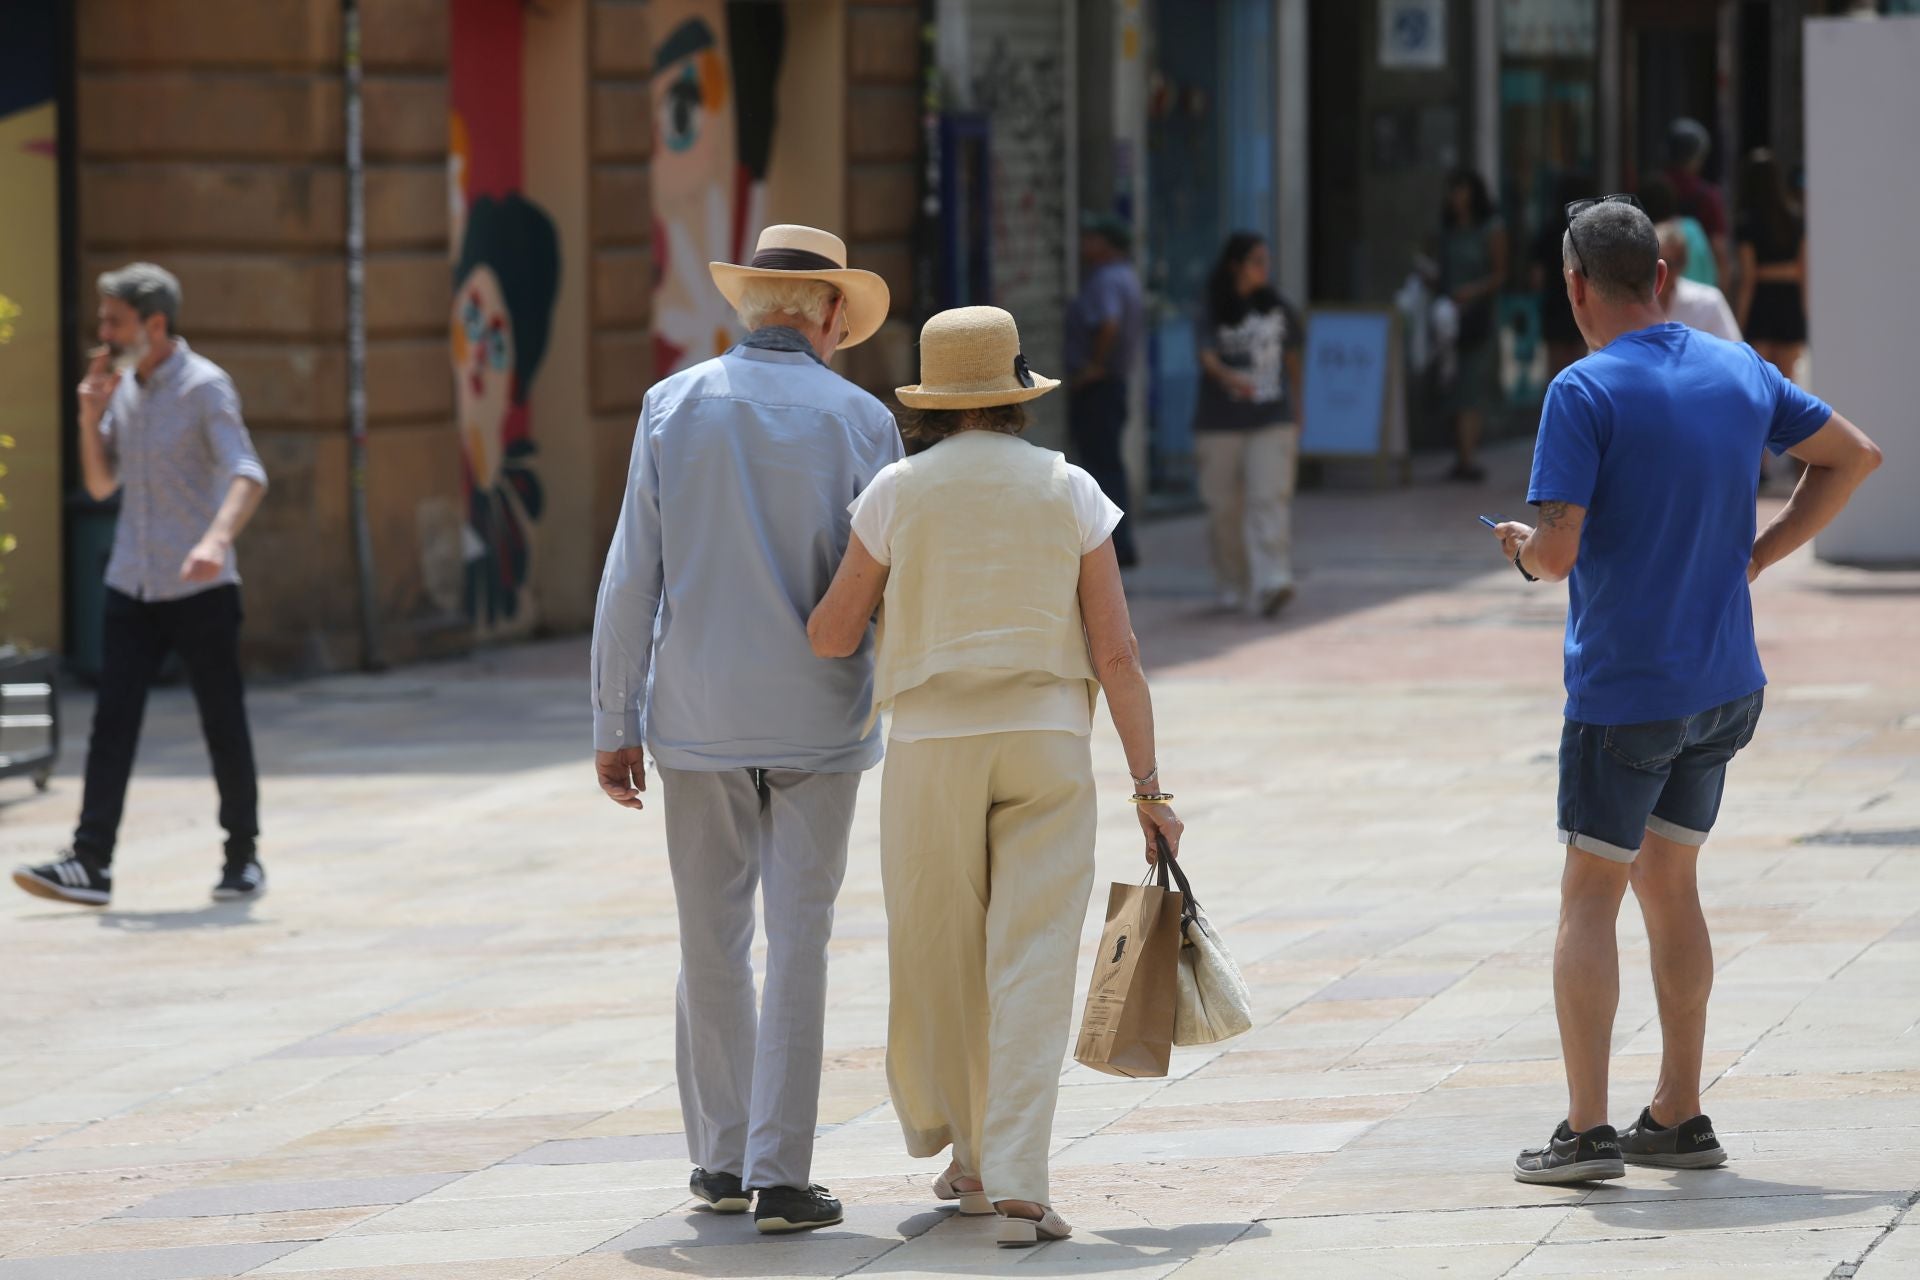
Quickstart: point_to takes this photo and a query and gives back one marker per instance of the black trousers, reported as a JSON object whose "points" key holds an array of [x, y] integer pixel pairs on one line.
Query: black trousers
{"points": [[204, 629], [1096, 419]]}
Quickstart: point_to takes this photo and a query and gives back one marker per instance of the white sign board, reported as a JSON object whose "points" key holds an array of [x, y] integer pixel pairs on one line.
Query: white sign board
{"points": [[1863, 185], [1413, 34]]}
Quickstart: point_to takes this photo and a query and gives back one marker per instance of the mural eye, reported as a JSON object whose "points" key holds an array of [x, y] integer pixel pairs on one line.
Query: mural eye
{"points": [[470, 316], [682, 110], [498, 343]]}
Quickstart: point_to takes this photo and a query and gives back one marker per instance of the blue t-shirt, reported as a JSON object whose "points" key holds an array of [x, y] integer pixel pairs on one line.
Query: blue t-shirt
{"points": [[1658, 435]]}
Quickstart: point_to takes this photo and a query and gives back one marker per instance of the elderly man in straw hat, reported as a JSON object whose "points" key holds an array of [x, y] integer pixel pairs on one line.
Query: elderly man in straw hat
{"points": [[735, 517]]}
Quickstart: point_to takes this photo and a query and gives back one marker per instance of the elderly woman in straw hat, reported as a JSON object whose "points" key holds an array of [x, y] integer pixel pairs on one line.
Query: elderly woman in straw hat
{"points": [[1004, 616]]}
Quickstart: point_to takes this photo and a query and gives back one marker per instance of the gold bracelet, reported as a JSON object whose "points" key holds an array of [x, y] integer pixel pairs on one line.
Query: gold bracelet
{"points": [[1157, 797]]}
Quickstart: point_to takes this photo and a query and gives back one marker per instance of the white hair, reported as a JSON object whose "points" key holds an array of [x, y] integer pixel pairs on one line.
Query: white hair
{"points": [[764, 301]]}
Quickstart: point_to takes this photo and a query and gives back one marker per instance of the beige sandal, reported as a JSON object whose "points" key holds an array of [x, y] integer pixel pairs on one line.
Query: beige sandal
{"points": [[972, 1203], [1024, 1233]]}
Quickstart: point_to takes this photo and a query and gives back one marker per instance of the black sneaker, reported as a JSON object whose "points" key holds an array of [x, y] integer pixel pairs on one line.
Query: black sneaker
{"points": [[1573, 1157], [783, 1209], [1691, 1144], [67, 880], [241, 882], [722, 1191]]}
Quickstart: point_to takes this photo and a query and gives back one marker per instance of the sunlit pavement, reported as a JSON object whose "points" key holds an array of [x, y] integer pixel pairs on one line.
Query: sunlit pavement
{"points": [[442, 1046]]}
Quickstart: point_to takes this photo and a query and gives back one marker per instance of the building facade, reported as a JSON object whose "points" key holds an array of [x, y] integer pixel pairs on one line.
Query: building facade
{"points": [[545, 182]]}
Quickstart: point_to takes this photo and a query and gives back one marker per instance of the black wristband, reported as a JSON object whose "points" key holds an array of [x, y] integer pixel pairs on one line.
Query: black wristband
{"points": [[1522, 568]]}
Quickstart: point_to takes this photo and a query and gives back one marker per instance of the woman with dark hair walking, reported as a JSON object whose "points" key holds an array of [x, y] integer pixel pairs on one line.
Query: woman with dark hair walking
{"points": [[1473, 265], [1246, 429], [1771, 304]]}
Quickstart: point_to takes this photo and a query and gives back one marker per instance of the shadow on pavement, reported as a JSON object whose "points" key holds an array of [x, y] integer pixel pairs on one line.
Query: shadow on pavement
{"points": [[1111, 1252], [1354, 549], [1762, 1203], [226, 915]]}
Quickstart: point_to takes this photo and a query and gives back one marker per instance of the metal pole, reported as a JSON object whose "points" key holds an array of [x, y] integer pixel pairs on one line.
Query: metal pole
{"points": [[371, 658]]}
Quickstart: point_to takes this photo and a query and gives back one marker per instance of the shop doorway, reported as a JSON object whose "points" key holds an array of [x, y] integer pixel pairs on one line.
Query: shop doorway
{"points": [[1212, 147]]}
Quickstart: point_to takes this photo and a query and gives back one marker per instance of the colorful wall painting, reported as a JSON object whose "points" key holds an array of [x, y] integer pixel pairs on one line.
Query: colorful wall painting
{"points": [[715, 82], [506, 275]]}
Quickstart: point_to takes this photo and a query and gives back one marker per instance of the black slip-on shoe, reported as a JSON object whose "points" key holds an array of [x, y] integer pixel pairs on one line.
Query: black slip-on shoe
{"points": [[722, 1191], [783, 1209], [1573, 1157], [1691, 1144], [67, 879], [241, 882]]}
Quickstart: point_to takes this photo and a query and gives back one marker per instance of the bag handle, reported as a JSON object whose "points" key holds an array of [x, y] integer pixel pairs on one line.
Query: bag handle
{"points": [[1167, 868]]}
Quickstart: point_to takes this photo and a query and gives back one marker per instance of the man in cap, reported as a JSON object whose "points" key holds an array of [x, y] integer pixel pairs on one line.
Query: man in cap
{"points": [[1689, 143], [734, 520]]}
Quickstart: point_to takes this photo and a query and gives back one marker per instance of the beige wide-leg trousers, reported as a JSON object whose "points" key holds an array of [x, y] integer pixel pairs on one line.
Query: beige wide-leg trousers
{"points": [[986, 854], [1247, 480]]}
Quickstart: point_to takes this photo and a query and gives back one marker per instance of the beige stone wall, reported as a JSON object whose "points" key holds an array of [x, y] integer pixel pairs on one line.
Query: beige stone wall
{"points": [[620, 226], [210, 140], [882, 123]]}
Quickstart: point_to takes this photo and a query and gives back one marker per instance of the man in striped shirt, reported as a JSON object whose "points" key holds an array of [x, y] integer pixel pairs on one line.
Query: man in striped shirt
{"points": [[162, 426]]}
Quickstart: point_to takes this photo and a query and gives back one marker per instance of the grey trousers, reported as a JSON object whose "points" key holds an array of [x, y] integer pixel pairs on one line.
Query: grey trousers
{"points": [[750, 1086]]}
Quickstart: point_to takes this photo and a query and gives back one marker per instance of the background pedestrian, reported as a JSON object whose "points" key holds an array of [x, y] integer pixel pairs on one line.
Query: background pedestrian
{"points": [[1472, 257], [1246, 426], [161, 425]]}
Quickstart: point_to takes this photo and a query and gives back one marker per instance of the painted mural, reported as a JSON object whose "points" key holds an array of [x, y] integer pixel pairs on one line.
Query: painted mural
{"points": [[716, 72], [506, 275], [31, 384]]}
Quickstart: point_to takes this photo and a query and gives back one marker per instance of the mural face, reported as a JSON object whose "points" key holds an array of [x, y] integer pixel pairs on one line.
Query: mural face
{"points": [[714, 80], [505, 278]]}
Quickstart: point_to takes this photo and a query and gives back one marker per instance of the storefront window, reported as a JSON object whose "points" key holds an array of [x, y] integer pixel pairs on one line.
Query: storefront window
{"points": [[1548, 69]]}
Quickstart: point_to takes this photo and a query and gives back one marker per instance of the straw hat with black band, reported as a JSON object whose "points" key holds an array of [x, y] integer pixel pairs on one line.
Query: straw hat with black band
{"points": [[970, 359], [789, 252]]}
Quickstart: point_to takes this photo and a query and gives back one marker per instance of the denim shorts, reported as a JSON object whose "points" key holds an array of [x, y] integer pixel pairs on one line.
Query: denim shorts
{"points": [[1620, 781]]}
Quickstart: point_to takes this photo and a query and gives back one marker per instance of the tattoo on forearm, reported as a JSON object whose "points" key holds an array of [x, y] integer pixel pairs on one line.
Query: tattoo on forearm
{"points": [[1552, 514]]}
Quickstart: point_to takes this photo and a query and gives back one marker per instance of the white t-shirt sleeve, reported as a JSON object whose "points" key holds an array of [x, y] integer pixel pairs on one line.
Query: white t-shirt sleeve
{"points": [[1724, 325], [1095, 512], [872, 515]]}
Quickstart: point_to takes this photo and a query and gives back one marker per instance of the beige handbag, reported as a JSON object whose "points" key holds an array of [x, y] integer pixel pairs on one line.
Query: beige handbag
{"points": [[1212, 1002]]}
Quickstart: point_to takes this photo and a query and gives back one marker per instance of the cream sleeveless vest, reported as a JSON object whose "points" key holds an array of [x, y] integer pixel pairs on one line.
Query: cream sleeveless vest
{"points": [[986, 566]]}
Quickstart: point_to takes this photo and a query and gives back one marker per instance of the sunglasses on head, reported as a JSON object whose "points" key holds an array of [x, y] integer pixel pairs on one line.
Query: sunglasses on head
{"points": [[1577, 207]]}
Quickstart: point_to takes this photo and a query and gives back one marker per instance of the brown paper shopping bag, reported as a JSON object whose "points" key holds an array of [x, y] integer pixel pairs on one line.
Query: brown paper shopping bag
{"points": [[1127, 1029]]}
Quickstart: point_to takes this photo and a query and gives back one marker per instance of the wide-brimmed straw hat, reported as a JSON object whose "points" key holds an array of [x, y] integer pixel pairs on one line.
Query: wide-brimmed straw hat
{"points": [[790, 252], [970, 359]]}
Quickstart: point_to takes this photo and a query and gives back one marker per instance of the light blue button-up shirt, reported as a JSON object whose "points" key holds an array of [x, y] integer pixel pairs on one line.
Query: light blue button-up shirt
{"points": [[735, 521]]}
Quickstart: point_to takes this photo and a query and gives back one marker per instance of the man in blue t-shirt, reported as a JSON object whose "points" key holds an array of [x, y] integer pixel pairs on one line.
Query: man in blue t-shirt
{"points": [[1645, 475]]}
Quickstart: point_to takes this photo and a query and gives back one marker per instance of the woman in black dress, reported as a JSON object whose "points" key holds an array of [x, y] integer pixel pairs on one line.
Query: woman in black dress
{"points": [[1772, 306]]}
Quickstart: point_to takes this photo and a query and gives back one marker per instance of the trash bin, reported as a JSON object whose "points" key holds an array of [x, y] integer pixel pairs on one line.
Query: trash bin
{"points": [[90, 528]]}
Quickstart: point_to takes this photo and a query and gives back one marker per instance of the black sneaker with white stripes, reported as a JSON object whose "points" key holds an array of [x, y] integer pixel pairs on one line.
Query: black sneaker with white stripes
{"points": [[1691, 1144], [1590, 1156], [241, 882], [67, 880]]}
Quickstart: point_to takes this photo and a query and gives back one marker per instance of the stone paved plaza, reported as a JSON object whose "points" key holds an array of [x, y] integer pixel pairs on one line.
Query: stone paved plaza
{"points": [[442, 1047]]}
